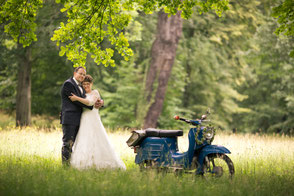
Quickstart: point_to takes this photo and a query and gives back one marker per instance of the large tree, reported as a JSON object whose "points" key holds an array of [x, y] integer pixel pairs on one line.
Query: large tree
{"points": [[23, 96], [18, 20], [163, 53]]}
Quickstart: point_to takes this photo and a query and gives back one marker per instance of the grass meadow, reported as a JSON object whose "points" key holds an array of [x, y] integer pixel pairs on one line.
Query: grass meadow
{"points": [[30, 164]]}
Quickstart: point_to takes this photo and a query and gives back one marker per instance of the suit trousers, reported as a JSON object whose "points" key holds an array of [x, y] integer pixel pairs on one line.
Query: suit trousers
{"points": [[69, 136]]}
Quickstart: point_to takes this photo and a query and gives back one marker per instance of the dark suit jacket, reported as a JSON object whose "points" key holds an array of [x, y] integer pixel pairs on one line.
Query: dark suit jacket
{"points": [[71, 111]]}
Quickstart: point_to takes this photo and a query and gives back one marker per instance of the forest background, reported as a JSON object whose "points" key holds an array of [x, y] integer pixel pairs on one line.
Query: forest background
{"points": [[234, 64]]}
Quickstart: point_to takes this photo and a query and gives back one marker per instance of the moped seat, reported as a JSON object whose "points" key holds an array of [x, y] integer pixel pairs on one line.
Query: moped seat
{"points": [[163, 133], [138, 136]]}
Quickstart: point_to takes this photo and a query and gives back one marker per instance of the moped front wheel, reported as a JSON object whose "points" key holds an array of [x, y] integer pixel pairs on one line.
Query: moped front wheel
{"points": [[218, 165]]}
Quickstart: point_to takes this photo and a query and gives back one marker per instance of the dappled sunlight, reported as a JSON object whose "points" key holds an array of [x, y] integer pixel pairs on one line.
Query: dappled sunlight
{"points": [[30, 141], [262, 163], [249, 145], [257, 147], [248, 150]]}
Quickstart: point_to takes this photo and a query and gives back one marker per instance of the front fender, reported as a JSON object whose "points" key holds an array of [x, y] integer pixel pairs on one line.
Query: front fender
{"points": [[211, 149]]}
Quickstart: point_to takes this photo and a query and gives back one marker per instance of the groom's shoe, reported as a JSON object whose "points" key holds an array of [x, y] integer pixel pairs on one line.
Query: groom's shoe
{"points": [[66, 153], [65, 164]]}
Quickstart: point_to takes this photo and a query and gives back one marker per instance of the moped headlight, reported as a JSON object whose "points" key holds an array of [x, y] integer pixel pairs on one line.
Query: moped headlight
{"points": [[209, 133], [209, 136]]}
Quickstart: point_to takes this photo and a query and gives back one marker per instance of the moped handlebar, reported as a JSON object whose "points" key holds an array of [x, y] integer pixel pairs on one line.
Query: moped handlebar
{"points": [[193, 122], [179, 118]]}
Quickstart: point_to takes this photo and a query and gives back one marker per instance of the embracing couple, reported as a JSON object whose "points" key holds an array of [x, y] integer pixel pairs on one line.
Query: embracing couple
{"points": [[85, 141]]}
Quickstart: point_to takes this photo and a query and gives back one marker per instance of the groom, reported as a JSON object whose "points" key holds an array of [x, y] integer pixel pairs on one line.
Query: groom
{"points": [[71, 111]]}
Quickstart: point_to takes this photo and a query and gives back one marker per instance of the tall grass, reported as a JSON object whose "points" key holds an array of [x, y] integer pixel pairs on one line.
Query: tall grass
{"points": [[30, 164]]}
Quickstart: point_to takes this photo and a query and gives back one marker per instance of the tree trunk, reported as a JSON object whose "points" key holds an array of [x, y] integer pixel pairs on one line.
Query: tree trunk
{"points": [[163, 52], [23, 97]]}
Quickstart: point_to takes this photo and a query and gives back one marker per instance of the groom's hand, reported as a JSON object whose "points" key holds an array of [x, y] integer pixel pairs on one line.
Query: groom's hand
{"points": [[99, 103]]}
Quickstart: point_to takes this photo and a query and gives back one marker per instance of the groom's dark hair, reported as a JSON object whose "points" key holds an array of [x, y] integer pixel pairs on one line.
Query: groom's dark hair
{"points": [[77, 68]]}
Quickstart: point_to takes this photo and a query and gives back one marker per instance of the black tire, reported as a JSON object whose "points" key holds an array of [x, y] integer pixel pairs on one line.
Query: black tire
{"points": [[150, 165], [218, 165]]}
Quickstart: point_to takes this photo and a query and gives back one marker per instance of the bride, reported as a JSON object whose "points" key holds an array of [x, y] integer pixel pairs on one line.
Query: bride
{"points": [[92, 148]]}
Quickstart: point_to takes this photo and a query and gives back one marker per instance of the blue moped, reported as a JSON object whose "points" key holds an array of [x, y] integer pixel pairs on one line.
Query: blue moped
{"points": [[158, 149]]}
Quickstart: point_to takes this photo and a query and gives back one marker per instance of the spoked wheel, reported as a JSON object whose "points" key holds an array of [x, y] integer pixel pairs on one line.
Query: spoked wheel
{"points": [[151, 165], [218, 165]]}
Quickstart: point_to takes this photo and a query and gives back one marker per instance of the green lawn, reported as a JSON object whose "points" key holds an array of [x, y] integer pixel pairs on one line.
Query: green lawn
{"points": [[30, 164]]}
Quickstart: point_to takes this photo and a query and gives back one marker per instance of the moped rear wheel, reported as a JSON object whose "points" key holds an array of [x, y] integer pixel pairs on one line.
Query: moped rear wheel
{"points": [[218, 165], [150, 165], [147, 165]]}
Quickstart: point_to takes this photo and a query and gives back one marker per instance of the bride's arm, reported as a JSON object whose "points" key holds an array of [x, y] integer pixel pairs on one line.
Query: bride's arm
{"points": [[89, 101], [67, 91], [94, 97], [79, 99]]}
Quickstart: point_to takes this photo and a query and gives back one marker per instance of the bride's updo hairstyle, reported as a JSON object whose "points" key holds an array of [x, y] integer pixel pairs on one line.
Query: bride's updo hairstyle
{"points": [[88, 78]]}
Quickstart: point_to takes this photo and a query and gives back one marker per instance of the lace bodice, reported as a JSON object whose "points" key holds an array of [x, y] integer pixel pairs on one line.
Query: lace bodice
{"points": [[93, 97]]}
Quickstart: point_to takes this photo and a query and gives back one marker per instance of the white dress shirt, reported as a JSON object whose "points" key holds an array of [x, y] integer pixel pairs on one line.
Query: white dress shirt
{"points": [[78, 84]]}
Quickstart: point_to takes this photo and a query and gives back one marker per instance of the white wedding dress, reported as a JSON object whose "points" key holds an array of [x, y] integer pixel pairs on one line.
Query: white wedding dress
{"points": [[92, 148]]}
